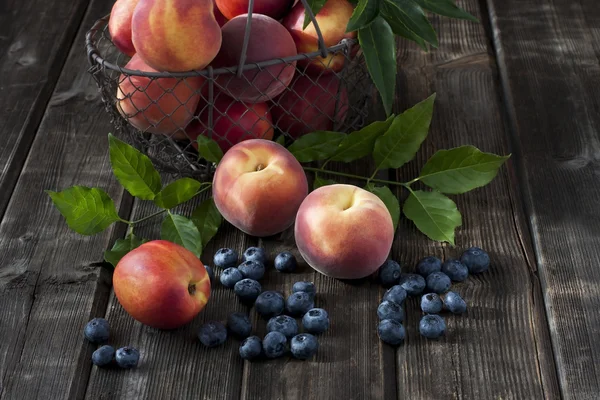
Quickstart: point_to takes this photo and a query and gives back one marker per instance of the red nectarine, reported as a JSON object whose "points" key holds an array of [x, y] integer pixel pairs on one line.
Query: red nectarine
{"points": [[273, 8]]}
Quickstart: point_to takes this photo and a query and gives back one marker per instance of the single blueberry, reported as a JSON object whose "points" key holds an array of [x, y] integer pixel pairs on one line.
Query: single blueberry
{"points": [[299, 303], [391, 332], [316, 321], [429, 265], [396, 293], [225, 258], [211, 274], [454, 303], [476, 260], [455, 270], [390, 310], [438, 282], [431, 303], [284, 324], [257, 254], [97, 330], [304, 346], [239, 324], [103, 356], [230, 276], [285, 262], [127, 357], [269, 304], [247, 289], [307, 287], [413, 284], [212, 334], [252, 269], [274, 344], [251, 348], [432, 326], [389, 273]]}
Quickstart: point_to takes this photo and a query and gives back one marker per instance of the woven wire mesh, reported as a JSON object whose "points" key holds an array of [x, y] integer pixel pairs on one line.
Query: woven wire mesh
{"points": [[163, 113]]}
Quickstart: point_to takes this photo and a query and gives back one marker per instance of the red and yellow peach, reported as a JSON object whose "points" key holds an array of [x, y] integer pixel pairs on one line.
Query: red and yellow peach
{"points": [[273, 8], [119, 25]]}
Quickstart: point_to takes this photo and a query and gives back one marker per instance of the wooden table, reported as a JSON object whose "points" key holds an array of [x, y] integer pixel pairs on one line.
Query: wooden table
{"points": [[525, 81]]}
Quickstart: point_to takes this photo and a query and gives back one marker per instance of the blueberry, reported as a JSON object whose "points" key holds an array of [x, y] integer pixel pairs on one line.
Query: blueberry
{"points": [[212, 334], [429, 265], [239, 324], [127, 357], [476, 260], [396, 293], [432, 326], [413, 284], [103, 356], [269, 304], [438, 282], [97, 330], [225, 258], [431, 303], [230, 276], [454, 303], [252, 269], [390, 310], [303, 286], [257, 254], [304, 346], [284, 324], [211, 274], [389, 273], [315, 321], [391, 332], [455, 270], [274, 344], [285, 262], [299, 303], [247, 289], [251, 348]]}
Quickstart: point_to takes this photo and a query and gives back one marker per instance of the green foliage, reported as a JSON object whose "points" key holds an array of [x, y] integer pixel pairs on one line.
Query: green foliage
{"points": [[181, 230]]}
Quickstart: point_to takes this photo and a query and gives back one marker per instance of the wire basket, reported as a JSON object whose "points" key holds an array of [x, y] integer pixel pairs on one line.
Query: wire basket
{"points": [[163, 113]]}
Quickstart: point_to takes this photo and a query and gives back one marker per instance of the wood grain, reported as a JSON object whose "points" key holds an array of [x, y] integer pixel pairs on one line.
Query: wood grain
{"points": [[548, 57]]}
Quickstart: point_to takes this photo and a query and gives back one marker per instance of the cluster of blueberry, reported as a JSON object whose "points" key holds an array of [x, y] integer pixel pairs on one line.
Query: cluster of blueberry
{"points": [[98, 331], [434, 278]]}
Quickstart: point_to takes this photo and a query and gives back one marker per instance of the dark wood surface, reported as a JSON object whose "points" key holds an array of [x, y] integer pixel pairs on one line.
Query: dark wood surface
{"points": [[524, 81]]}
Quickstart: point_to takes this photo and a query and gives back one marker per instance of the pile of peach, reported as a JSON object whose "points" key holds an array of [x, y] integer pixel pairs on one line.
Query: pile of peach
{"points": [[185, 35]]}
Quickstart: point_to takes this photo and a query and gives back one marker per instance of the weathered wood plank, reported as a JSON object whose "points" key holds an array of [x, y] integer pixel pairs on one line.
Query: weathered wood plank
{"points": [[548, 57]]}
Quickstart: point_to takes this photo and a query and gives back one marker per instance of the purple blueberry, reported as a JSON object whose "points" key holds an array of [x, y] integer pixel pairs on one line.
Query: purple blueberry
{"points": [[390, 310], [304, 286], [251, 348], [284, 324], [455, 270], [211, 274], [269, 304], [429, 265], [431, 303], [212, 334], [476, 260], [389, 273], [285, 262], [391, 332], [239, 324], [247, 290], [103, 356], [97, 330], [304, 346], [432, 326], [396, 293], [225, 258], [454, 303], [274, 344], [299, 303], [438, 282], [230, 276], [127, 357], [316, 321], [413, 284], [252, 269], [257, 254]]}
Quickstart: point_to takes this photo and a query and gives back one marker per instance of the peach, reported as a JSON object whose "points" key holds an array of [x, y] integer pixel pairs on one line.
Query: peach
{"points": [[332, 19], [273, 8], [309, 105], [258, 187], [233, 122], [176, 35], [163, 105], [268, 40], [344, 231], [161, 284], [119, 25]]}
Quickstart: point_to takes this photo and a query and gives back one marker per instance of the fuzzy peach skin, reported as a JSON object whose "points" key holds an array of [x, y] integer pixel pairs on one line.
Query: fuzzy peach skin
{"points": [[258, 187], [176, 35], [332, 19], [344, 231], [273, 8], [119, 25], [161, 284]]}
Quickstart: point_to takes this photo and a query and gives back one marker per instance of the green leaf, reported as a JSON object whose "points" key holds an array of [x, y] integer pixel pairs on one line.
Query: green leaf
{"points": [[411, 16], [402, 141], [359, 144], [447, 8], [181, 230], [401, 30], [389, 199], [318, 182], [122, 247], [281, 140], [364, 13], [209, 149], [177, 192], [316, 146], [379, 48], [207, 219], [434, 214], [87, 210], [315, 6], [133, 170], [461, 169]]}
